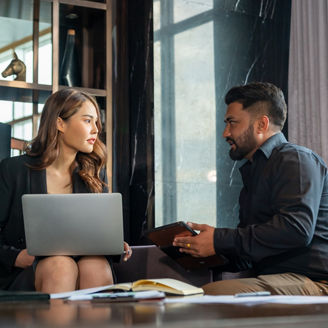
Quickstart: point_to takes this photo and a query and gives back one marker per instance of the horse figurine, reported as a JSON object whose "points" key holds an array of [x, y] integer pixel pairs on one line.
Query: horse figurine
{"points": [[17, 67]]}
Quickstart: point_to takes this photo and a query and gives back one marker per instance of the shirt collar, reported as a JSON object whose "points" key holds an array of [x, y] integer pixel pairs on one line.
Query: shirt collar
{"points": [[266, 149], [273, 142]]}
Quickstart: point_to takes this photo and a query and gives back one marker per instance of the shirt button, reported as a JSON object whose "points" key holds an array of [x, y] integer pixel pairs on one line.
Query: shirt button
{"points": [[21, 241]]}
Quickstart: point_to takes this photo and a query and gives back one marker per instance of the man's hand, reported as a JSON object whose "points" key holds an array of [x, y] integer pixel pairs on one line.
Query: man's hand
{"points": [[24, 260], [201, 245]]}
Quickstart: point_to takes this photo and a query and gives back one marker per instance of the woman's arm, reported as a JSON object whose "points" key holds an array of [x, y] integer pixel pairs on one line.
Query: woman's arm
{"points": [[10, 256]]}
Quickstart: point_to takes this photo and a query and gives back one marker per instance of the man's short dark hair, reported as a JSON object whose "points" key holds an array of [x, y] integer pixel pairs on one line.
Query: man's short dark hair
{"points": [[252, 93]]}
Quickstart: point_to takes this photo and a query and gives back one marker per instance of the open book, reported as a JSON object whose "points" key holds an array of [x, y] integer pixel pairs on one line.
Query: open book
{"points": [[167, 285]]}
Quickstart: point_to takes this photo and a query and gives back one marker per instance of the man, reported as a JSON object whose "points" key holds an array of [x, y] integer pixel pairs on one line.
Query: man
{"points": [[283, 229]]}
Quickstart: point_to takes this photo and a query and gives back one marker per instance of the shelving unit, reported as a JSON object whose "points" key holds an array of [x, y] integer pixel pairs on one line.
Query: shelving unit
{"points": [[92, 21], [23, 92]]}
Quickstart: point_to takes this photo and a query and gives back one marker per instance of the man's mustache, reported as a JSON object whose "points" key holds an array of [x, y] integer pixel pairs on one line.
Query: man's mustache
{"points": [[230, 139]]}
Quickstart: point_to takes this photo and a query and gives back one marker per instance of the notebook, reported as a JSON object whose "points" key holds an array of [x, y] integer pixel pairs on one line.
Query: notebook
{"points": [[73, 224], [163, 237]]}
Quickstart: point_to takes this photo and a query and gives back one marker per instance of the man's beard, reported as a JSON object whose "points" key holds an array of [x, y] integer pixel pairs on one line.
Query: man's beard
{"points": [[244, 144]]}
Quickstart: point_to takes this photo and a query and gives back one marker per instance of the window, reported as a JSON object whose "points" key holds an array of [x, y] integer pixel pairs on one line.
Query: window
{"points": [[20, 114], [201, 50], [185, 112]]}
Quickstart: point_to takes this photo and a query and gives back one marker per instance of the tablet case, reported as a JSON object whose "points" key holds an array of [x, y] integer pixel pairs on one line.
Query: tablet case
{"points": [[163, 237]]}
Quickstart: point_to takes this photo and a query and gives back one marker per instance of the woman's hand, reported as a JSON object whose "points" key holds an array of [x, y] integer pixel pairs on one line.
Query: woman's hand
{"points": [[127, 251], [23, 259]]}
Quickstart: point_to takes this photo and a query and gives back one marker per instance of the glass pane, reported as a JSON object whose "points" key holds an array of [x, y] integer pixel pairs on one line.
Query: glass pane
{"points": [[185, 9], [45, 65], [159, 181], [16, 27], [189, 148], [22, 110], [6, 112], [14, 152], [195, 124], [40, 108], [45, 44], [157, 11], [22, 130]]}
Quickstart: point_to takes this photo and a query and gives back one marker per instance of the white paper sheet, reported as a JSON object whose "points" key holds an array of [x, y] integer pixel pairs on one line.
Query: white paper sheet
{"points": [[79, 292], [150, 294]]}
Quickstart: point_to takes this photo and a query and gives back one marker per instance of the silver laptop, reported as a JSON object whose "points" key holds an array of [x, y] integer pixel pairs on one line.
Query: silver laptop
{"points": [[73, 224]]}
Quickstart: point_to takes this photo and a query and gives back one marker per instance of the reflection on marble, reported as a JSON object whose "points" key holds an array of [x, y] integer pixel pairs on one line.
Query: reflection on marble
{"points": [[201, 50], [157, 314], [62, 313], [261, 8]]}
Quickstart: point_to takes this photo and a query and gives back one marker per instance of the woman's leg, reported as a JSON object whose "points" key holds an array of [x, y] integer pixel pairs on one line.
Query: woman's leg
{"points": [[56, 274], [94, 271]]}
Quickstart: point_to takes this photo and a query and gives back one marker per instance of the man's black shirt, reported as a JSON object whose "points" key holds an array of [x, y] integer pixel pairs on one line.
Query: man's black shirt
{"points": [[283, 212]]}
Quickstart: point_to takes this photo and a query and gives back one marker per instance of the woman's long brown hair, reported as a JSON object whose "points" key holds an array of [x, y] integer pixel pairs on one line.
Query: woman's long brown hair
{"points": [[65, 103]]}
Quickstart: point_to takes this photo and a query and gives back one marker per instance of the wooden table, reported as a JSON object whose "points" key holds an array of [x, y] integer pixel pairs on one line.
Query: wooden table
{"points": [[157, 314]]}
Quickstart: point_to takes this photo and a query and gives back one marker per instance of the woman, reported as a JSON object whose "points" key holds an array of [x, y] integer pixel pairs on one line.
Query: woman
{"points": [[66, 157]]}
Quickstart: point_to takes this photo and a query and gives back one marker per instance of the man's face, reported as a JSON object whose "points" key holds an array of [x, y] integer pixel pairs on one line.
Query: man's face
{"points": [[239, 132]]}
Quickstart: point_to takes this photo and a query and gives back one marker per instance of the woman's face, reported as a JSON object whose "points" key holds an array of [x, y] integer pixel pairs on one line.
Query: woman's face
{"points": [[79, 132]]}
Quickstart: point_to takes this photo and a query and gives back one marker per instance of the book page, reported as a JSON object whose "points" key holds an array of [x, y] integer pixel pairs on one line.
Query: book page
{"points": [[122, 286], [167, 285]]}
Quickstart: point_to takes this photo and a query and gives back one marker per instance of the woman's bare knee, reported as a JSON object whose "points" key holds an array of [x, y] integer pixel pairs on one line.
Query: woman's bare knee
{"points": [[94, 271], [56, 274]]}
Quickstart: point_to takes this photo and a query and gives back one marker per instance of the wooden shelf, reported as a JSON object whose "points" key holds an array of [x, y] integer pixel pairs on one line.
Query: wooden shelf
{"points": [[91, 91], [24, 92], [25, 85], [18, 144], [84, 3]]}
